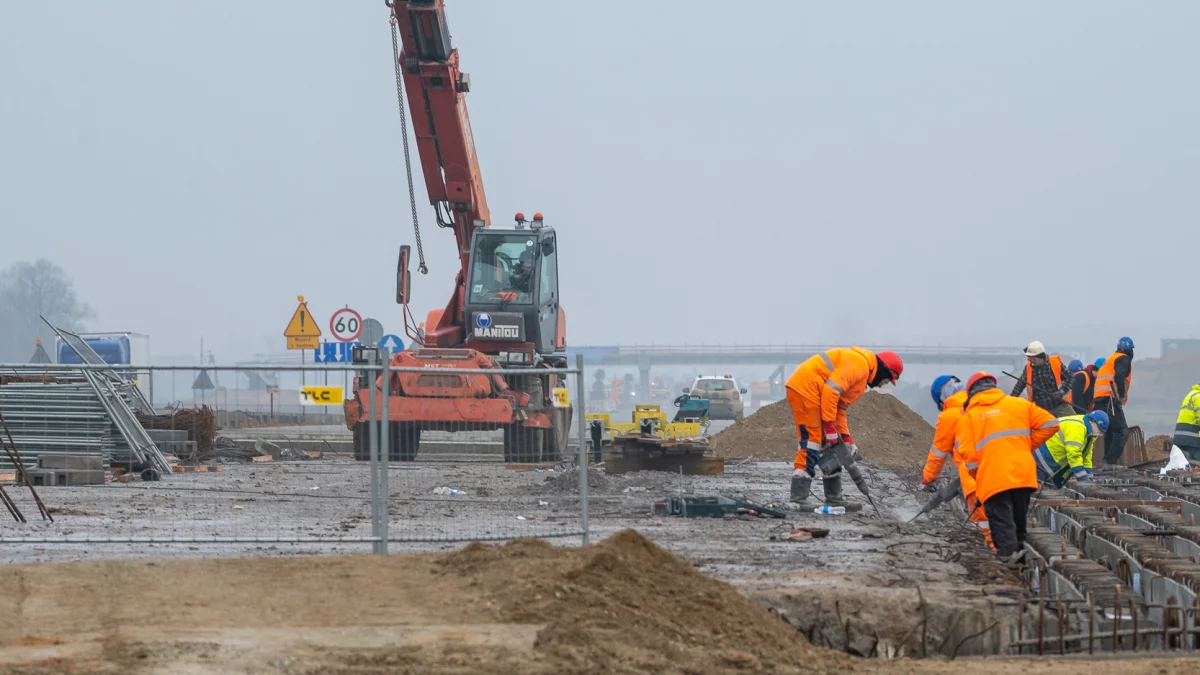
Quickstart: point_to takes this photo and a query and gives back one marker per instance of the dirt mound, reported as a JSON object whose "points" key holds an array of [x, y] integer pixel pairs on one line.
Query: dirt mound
{"points": [[628, 605], [887, 432], [1158, 447], [622, 606]]}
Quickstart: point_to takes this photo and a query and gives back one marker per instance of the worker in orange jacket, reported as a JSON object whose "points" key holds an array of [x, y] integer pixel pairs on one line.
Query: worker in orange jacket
{"points": [[949, 395], [819, 392], [1001, 433]]}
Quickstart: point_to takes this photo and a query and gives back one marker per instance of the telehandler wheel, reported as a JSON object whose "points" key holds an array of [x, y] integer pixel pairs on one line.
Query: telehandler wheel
{"points": [[361, 445], [555, 447], [405, 441], [522, 445]]}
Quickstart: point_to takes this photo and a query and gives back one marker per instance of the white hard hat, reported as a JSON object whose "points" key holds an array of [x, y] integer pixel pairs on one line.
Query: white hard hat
{"points": [[1035, 348]]}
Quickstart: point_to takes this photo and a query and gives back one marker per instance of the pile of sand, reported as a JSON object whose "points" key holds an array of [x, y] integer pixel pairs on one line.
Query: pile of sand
{"points": [[1157, 447], [628, 605], [888, 433], [622, 606]]}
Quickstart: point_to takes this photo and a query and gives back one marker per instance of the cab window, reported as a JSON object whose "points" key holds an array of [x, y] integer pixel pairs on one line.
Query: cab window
{"points": [[503, 268], [714, 385], [549, 277]]}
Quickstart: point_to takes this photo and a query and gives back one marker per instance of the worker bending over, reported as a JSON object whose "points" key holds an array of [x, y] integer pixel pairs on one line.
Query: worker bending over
{"points": [[1187, 425], [1045, 381], [1068, 453], [819, 392], [1083, 386], [999, 433], [949, 394], [1112, 393]]}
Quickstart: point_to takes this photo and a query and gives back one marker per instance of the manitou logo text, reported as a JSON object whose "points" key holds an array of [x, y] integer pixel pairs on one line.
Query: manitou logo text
{"points": [[498, 332]]}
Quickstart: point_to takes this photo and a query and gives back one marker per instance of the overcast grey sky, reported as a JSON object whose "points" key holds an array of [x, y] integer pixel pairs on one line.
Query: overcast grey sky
{"points": [[783, 171]]}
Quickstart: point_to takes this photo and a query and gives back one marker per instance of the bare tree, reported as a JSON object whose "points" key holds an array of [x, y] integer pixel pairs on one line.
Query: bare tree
{"points": [[29, 291]]}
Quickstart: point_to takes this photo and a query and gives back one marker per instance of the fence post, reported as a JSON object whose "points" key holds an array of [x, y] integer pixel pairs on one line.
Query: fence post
{"points": [[385, 456], [372, 449], [582, 449]]}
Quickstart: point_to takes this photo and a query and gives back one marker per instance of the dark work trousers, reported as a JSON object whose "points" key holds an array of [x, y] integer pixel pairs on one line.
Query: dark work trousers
{"points": [[1118, 429], [1006, 512]]}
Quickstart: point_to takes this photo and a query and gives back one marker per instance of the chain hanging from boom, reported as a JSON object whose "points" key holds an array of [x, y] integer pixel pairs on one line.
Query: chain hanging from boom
{"points": [[412, 197]]}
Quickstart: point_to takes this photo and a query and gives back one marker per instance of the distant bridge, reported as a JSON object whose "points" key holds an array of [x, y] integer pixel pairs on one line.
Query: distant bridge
{"points": [[646, 356], [643, 356]]}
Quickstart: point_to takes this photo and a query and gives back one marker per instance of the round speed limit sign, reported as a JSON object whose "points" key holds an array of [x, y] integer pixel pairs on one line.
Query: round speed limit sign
{"points": [[345, 324]]}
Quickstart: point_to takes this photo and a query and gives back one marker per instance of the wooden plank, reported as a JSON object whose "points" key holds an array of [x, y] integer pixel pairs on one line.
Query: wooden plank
{"points": [[8, 476], [529, 467], [315, 454], [262, 458]]}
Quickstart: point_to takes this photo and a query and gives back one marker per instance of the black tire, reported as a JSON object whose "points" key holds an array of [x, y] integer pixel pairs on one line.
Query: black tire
{"points": [[555, 445], [362, 450], [405, 441], [522, 445]]}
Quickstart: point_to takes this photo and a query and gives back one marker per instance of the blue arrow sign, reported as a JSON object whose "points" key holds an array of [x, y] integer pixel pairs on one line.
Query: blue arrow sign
{"points": [[392, 343], [335, 352]]}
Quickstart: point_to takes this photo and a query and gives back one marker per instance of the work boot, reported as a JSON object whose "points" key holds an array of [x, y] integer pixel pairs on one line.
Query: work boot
{"points": [[801, 488], [833, 490], [1014, 561]]}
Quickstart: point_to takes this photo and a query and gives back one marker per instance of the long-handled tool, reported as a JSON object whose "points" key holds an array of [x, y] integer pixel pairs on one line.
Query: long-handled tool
{"points": [[943, 495], [844, 457], [1043, 391]]}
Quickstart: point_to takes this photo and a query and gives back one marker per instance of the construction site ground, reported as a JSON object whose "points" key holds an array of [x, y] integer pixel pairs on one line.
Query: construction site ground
{"points": [[524, 607], [875, 586]]}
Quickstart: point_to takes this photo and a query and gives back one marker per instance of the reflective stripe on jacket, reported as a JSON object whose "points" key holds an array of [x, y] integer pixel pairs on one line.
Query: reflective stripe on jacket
{"points": [[1072, 444], [1055, 363], [834, 380], [1002, 431], [943, 436], [1187, 425], [1106, 375]]}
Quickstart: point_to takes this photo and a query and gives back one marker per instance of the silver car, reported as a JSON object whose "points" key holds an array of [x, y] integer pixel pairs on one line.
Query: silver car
{"points": [[723, 394]]}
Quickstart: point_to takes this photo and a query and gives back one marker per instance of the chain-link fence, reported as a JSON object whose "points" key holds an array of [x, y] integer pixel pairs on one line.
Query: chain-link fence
{"points": [[269, 460]]}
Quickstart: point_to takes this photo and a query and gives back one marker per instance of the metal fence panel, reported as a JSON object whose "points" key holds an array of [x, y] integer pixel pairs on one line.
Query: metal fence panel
{"points": [[257, 472]]}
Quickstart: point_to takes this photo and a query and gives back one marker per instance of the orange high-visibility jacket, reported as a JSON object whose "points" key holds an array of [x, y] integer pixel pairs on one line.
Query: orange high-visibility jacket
{"points": [[834, 380], [1105, 377], [943, 436], [1001, 432], [1055, 366]]}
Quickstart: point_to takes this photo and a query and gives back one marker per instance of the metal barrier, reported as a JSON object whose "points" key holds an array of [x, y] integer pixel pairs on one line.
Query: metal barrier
{"points": [[279, 470]]}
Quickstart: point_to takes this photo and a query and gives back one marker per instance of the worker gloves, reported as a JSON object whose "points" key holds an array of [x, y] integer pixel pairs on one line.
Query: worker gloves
{"points": [[927, 486], [831, 433]]}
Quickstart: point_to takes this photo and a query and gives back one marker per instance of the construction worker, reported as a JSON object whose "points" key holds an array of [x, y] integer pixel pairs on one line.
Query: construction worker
{"points": [[819, 392], [997, 434], [1083, 386], [1045, 381], [1068, 453], [1187, 425], [949, 394], [1112, 392]]}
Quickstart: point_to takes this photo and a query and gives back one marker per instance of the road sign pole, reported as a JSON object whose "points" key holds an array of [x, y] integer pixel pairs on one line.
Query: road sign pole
{"points": [[385, 457], [372, 440], [303, 412]]}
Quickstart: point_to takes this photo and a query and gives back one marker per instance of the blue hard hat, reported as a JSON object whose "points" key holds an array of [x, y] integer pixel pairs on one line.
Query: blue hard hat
{"points": [[1099, 362], [1125, 343], [1100, 419], [1074, 366], [939, 383]]}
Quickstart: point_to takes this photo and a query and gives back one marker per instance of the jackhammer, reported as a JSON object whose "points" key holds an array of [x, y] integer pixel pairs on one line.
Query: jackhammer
{"points": [[944, 494], [840, 456]]}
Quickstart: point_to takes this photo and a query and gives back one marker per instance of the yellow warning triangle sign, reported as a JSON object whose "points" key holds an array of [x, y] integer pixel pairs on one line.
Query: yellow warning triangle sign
{"points": [[302, 324]]}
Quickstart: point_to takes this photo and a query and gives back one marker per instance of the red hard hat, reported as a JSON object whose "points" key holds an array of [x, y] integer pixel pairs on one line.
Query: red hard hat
{"points": [[892, 362], [977, 377]]}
